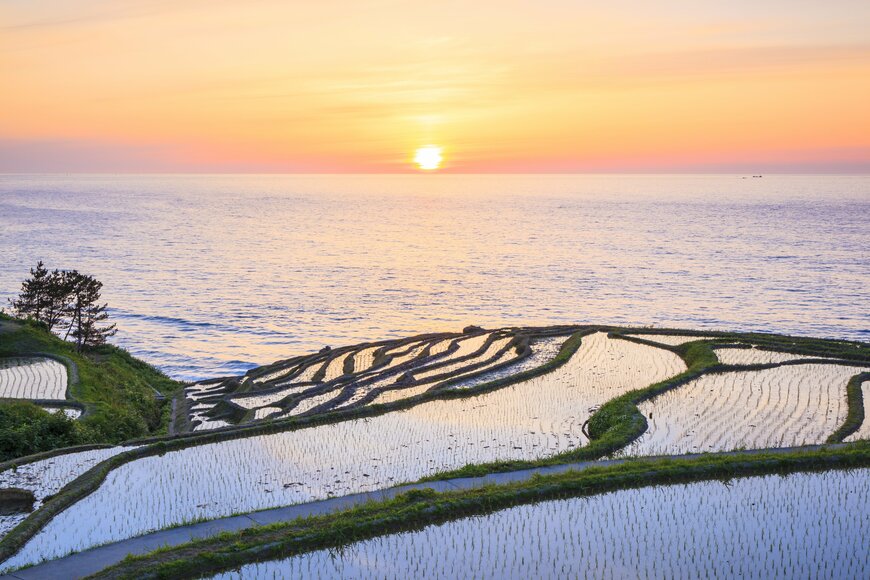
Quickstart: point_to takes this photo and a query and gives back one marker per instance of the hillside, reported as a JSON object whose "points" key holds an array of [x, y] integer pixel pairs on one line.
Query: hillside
{"points": [[433, 428], [121, 397]]}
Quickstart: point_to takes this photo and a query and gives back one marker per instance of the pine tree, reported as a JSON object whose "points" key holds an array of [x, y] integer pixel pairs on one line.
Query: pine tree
{"points": [[58, 300], [31, 302], [86, 312], [69, 300]]}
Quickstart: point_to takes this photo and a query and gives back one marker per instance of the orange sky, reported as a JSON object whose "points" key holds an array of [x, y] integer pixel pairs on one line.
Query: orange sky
{"points": [[502, 86]]}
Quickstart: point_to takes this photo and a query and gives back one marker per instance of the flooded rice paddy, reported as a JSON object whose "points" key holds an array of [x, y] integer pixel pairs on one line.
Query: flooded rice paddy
{"points": [[528, 420], [812, 525]]}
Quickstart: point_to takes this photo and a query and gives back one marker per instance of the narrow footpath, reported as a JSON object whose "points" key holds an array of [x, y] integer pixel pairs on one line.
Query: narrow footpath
{"points": [[91, 561]]}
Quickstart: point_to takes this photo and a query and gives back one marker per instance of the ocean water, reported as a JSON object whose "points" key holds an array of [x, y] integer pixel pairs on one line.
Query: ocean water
{"points": [[209, 275]]}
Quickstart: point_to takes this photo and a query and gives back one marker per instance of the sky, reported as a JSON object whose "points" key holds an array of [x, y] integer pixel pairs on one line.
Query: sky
{"points": [[500, 86]]}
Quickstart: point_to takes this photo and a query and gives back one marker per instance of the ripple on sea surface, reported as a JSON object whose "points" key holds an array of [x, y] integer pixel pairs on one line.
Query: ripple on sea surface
{"points": [[213, 274]]}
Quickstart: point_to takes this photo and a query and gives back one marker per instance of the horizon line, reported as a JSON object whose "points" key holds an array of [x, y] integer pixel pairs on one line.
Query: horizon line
{"points": [[436, 173]]}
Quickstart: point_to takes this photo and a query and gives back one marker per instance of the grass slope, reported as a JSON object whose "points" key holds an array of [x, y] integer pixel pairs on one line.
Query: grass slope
{"points": [[117, 390]]}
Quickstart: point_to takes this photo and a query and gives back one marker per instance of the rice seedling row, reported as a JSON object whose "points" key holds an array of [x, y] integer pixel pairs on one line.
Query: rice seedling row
{"points": [[32, 378], [803, 526], [335, 367], [204, 423], [46, 477], [306, 374], [407, 355], [312, 402], [528, 420], [468, 346], [394, 395], [277, 374], [395, 388], [754, 356], [778, 407], [543, 351], [440, 347], [321, 385], [264, 412], [441, 369], [256, 401]]}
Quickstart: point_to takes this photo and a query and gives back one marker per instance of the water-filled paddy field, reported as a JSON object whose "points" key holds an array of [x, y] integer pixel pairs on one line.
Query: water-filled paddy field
{"points": [[780, 407], [529, 420], [463, 405], [809, 525], [32, 378], [46, 477]]}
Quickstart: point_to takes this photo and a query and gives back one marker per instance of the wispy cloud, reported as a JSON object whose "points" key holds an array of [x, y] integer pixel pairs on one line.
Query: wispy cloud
{"points": [[270, 83]]}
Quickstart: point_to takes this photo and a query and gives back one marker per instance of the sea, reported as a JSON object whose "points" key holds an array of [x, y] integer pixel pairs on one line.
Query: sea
{"points": [[210, 275]]}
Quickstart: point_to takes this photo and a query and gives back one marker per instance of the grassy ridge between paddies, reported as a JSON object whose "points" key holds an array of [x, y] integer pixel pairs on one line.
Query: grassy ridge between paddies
{"points": [[615, 425], [619, 422], [855, 417], [117, 391], [88, 482], [417, 509]]}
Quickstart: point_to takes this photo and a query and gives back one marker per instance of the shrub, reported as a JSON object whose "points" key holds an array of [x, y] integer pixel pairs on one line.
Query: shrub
{"points": [[26, 429]]}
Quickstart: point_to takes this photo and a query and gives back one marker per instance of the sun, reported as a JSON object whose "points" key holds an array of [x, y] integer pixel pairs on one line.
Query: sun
{"points": [[429, 157]]}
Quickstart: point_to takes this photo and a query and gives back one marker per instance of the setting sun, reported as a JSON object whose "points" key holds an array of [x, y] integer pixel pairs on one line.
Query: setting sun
{"points": [[428, 157]]}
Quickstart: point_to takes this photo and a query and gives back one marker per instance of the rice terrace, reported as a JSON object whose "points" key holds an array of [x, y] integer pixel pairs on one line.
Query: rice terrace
{"points": [[481, 453], [378, 290]]}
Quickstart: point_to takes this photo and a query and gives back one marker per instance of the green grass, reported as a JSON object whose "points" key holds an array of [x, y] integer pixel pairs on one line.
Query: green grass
{"points": [[823, 347], [116, 389], [615, 425], [91, 479], [619, 422], [855, 417], [419, 508], [26, 428]]}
